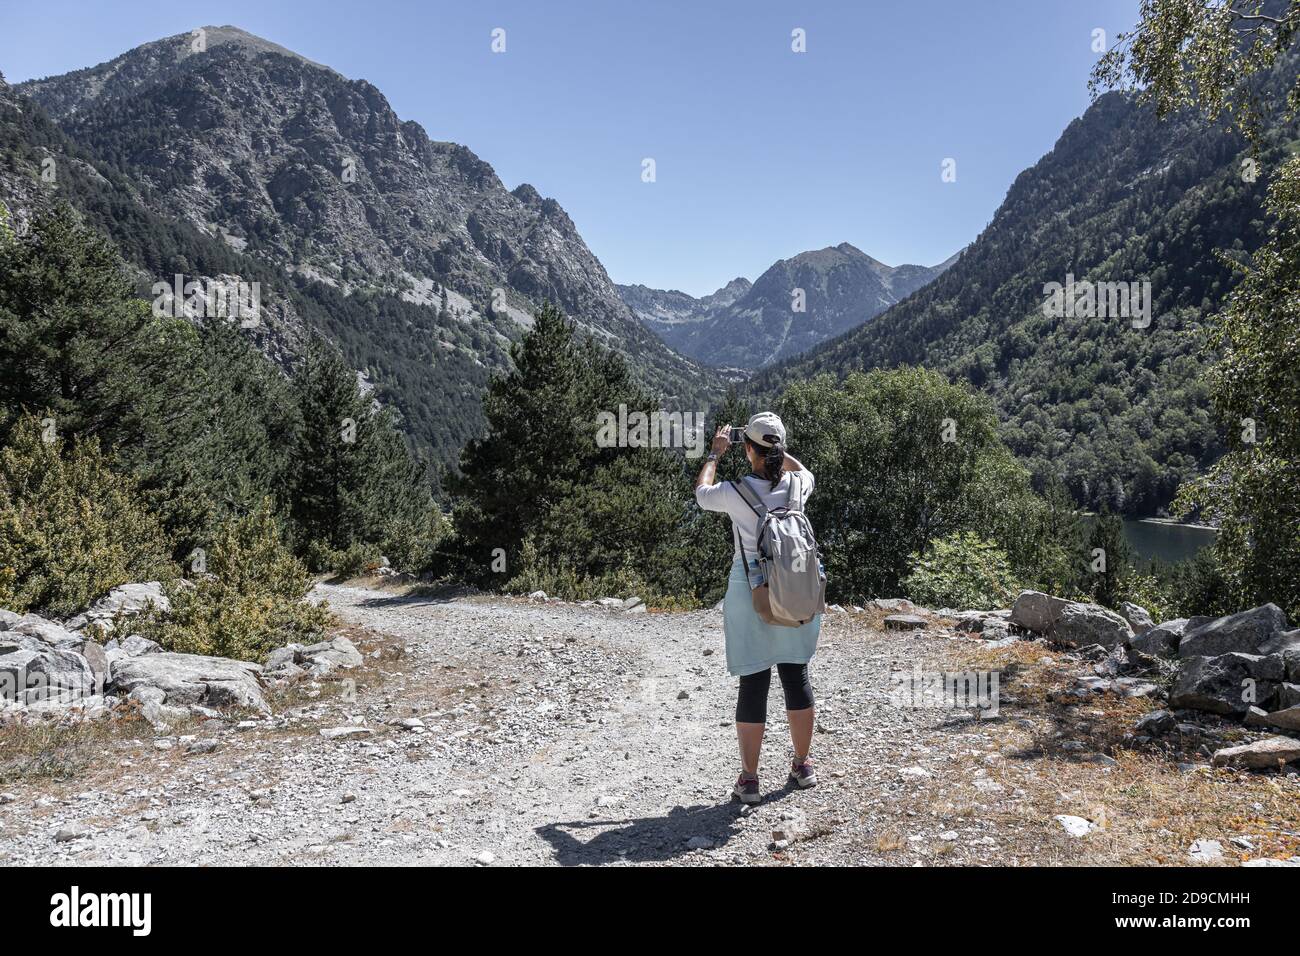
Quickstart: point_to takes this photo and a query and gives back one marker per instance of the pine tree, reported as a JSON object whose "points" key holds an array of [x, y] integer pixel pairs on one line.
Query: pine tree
{"points": [[329, 461]]}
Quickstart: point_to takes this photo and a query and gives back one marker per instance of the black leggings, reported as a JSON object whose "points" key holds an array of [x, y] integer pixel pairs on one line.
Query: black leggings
{"points": [[751, 705]]}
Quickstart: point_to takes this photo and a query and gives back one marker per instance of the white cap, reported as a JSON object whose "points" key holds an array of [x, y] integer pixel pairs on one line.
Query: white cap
{"points": [[765, 427]]}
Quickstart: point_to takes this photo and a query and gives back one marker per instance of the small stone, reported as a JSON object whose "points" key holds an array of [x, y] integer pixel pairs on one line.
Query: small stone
{"points": [[201, 746], [1205, 851], [699, 843], [1075, 826], [683, 695], [487, 857], [73, 831]]}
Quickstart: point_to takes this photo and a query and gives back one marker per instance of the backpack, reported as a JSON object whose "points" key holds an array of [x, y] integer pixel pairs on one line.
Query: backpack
{"points": [[794, 586]]}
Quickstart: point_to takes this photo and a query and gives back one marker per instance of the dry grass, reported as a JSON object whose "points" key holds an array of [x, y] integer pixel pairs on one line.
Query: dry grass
{"points": [[49, 750], [1149, 811]]}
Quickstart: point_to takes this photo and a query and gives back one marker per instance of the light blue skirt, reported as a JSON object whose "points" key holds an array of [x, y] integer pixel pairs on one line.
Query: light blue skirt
{"points": [[754, 646]]}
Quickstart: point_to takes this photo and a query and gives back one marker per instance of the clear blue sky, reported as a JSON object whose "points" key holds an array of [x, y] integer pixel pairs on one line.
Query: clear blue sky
{"points": [[761, 153]]}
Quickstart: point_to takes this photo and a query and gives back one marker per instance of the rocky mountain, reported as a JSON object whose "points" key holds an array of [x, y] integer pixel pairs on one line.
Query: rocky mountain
{"points": [[289, 163], [1114, 405], [670, 313], [794, 305]]}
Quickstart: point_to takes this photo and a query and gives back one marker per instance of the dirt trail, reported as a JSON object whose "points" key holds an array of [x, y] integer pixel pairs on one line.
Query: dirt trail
{"points": [[557, 734]]}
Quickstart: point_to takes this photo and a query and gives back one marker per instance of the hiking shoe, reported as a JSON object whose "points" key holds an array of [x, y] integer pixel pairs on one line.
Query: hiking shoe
{"points": [[746, 789], [802, 775]]}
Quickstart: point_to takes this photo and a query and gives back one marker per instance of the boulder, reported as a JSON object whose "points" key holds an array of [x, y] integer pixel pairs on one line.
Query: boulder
{"points": [[1246, 633], [1269, 753], [893, 605], [1227, 684], [1160, 641], [1138, 618], [48, 674], [1288, 695], [1291, 662], [48, 632], [1081, 624], [1037, 612], [1281, 641], [134, 646], [1286, 719], [1256, 717], [191, 679], [283, 658], [326, 656], [126, 600], [8, 619]]}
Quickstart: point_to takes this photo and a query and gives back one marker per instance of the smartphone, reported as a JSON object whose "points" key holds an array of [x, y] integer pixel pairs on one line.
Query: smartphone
{"points": [[737, 435]]}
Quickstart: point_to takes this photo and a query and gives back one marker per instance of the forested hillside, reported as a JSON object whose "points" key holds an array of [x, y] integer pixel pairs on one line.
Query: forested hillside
{"points": [[1120, 413], [408, 252]]}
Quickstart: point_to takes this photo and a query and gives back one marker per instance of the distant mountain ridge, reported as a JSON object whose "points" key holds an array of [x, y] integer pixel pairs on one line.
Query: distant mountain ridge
{"points": [[746, 325]]}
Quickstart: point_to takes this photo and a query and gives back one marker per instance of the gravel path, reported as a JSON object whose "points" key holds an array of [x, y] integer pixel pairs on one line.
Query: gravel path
{"points": [[552, 734]]}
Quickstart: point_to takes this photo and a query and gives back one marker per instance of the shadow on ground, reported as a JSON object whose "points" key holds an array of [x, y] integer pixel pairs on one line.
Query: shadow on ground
{"points": [[646, 839]]}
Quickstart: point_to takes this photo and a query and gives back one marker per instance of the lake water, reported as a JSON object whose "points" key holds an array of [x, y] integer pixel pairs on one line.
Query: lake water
{"points": [[1168, 542]]}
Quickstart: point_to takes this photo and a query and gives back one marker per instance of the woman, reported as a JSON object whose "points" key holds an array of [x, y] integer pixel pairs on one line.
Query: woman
{"points": [[752, 645]]}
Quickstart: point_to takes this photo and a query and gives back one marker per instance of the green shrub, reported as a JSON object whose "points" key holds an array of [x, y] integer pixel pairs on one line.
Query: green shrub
{"points": [[357, 559], [70, 527], [247, 602], [902, 457], [961, 571]]}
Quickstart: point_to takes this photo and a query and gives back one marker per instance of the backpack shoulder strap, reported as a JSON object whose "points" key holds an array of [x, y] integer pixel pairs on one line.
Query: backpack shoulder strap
{"points": [[751, 498], [794, 494]]}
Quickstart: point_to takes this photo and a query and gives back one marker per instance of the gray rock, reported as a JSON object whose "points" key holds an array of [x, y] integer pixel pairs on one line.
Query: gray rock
{"points": [[48, 674], [48, 632], [894, 604], [1227, 684], [1269, 753], [328, 655], [134, 646], [1139, 619], [1246, 633], [1288, 695], [1080, 624], [1156, 724], [1132, 687], [1286, 719], [125, 600], [283, 658], [8, 619], [71, 832], [1037, 612], [1281, 641], [1205, 851], [1159, 642], [1256, 717], [97, 658], [192, 679]]}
